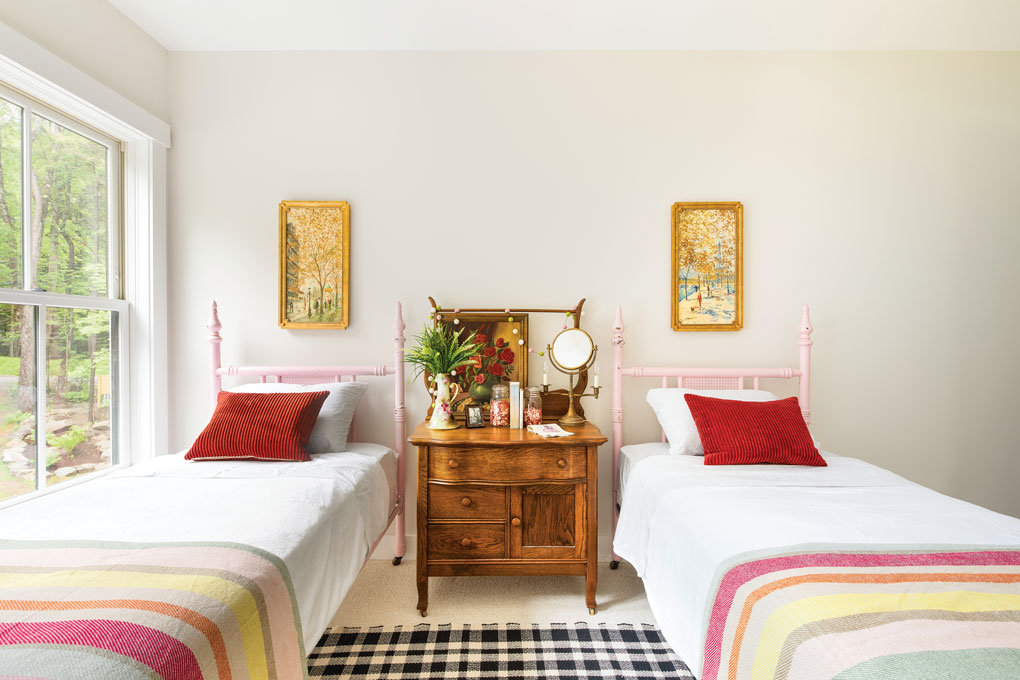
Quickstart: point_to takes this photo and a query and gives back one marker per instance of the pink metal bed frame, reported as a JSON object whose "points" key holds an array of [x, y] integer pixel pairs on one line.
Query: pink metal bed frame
{"points": [[298, 374], [699, 379]]}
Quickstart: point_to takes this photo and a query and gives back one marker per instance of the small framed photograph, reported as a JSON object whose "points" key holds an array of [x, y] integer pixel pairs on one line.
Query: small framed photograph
{"points": [[473, 416]]}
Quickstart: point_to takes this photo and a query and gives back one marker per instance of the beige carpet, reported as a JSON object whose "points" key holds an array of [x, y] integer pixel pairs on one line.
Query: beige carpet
{"points": [[385, 595]]}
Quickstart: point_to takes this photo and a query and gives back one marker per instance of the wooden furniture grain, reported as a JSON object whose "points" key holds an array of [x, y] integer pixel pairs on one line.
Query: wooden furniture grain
{"points": [[497, 501]]}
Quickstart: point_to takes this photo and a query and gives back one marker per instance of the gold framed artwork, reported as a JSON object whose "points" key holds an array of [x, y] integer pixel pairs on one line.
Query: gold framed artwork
{"points": [[315, 272], [707, 279]]}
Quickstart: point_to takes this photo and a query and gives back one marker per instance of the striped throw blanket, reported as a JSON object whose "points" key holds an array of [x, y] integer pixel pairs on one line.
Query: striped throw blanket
{"points": [[857, 613], [170, 611]]}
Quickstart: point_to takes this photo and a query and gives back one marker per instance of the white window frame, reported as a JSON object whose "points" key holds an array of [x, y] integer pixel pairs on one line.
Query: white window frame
{"points": [[40, 75]]}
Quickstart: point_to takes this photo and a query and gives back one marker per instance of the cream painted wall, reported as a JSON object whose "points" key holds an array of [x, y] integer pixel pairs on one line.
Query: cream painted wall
{"points": [[97, 38], [879, 187]]}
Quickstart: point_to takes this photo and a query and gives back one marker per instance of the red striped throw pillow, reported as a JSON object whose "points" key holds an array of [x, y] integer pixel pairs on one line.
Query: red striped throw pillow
{"points": [[748, 432], [259, 426]]}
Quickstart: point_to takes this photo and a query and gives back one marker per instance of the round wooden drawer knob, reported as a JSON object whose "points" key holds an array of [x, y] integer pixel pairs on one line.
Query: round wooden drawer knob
{"points": [[516, 521], [465, 501], [452, 464], [562, 463], [465, 542]]}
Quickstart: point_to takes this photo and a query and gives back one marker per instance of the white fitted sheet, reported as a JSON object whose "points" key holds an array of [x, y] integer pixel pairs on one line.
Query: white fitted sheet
{"points": [[681, 519], [631, 455], [320, 517]]}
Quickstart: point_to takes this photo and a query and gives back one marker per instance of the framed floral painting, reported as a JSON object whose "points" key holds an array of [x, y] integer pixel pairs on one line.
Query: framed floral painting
{"points": [[315, 244], [707, 280], [503, 358]]}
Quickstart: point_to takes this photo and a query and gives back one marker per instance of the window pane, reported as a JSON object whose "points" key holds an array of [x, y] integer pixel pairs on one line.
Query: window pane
{"points": [[17, 400], [70, 233], [10, 195], [79, 392]]}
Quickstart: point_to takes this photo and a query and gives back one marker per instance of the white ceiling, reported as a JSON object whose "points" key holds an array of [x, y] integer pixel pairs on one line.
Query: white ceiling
{"points": [[579, 24]]}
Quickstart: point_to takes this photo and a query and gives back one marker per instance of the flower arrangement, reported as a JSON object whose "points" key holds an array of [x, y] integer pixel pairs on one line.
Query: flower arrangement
{"points": [[492, 363], [440, 350]]}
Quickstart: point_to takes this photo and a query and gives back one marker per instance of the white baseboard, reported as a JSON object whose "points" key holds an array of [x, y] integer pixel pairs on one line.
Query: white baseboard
{"points": [[384, 551]]}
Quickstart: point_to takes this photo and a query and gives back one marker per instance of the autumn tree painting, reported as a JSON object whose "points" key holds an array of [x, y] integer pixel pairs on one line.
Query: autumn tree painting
{"points": [[707, 273], [314, 264]]}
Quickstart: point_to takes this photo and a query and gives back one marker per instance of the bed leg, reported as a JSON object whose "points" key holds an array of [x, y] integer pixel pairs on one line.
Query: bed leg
{"points": [[400, 549]]}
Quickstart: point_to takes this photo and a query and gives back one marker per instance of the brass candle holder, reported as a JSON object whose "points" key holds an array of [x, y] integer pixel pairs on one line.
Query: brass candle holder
{"points": [[573, 351]]}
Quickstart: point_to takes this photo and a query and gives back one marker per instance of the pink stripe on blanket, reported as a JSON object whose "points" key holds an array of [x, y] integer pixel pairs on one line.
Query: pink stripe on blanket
{"points": [[742, 573], [169, 658], [828, 655], [237, 561]]}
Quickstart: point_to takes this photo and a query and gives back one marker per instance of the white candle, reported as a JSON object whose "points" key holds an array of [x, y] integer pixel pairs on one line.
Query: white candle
{"points": [[596, 382], [545, 373]]}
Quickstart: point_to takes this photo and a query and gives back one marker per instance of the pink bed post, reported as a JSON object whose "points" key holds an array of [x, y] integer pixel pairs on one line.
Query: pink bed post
{"points": [[617, 419], [805, 364], [214, 348], [400, 442]]}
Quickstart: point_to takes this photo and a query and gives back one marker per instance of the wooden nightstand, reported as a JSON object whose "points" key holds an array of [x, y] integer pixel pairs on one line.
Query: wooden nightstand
{"points": [[501, 501]]}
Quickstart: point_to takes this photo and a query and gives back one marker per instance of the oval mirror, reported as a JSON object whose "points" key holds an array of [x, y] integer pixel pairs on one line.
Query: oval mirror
{"points": [[572, 349]]}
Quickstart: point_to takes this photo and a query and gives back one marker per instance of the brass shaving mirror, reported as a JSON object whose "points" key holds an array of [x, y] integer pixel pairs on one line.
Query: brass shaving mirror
{"points": [[573, 352]]}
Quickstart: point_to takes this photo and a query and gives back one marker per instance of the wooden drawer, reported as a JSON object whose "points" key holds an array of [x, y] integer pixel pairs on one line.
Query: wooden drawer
{"points": [[466, 541], [521, 464], [466, 501]]}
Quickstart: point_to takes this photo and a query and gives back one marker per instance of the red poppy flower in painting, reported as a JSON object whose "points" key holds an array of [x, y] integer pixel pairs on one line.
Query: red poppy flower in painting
{"points": [[496, 369], [489, 351], [480, 378], [481, 338], [500, 342], [507, 355]]}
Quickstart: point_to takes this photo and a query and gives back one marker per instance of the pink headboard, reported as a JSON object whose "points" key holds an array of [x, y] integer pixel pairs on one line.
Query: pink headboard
{"points": [[704, 379], [337, 374]]}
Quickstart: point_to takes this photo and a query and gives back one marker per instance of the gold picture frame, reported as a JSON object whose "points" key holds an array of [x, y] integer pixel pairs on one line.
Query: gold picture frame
{"points": [[315, 271], [707, 270]]}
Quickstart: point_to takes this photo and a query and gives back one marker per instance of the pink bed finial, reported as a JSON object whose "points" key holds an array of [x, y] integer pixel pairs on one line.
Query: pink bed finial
{"points": [[805, 363], [214, 325], [618, 327], [214, 346]]}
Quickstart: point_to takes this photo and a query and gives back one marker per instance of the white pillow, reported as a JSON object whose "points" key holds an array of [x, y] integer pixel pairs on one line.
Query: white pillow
{"points": [[676, 420], [333, 424]]}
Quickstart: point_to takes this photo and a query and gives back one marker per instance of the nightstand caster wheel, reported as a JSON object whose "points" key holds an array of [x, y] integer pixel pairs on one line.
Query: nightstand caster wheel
{"points": [[424, 613], [615, 564], [591, 611], [396, 560]]}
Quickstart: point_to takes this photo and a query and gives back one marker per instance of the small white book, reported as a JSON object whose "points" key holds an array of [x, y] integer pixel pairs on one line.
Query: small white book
{"points": [[549, 430], [515, 405]]}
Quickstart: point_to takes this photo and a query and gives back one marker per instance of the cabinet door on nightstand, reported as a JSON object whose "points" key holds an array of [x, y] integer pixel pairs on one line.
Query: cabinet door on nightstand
{"points": [[551, 521]]}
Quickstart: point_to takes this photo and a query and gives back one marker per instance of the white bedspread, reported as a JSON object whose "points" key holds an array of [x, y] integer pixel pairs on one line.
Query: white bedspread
{"points": [[681, 519], [320, 517]]}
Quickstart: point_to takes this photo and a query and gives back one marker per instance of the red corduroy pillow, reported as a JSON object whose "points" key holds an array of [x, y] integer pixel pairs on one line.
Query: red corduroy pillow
{"points": [[747, 432], [259, 426]]}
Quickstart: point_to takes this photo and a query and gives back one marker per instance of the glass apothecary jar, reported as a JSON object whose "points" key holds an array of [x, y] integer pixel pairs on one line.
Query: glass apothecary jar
{"points": [[499, 406], [532, 406]]}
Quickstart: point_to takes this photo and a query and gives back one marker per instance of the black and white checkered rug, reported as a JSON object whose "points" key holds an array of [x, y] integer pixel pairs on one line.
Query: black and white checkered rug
{"points": [[496, 651]]}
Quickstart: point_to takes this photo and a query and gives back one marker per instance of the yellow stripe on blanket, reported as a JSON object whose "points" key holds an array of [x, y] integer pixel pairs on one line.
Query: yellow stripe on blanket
{"points": [[223, 590], [782, 622]]}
